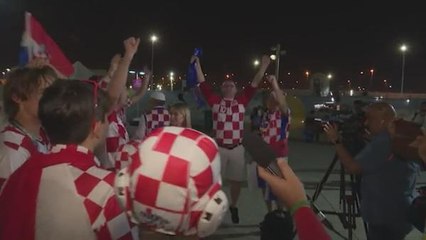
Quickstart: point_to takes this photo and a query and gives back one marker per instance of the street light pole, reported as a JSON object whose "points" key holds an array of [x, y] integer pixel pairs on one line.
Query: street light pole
{"points": [[277, 61], [153, 40], [403, 49], [370, 85]]}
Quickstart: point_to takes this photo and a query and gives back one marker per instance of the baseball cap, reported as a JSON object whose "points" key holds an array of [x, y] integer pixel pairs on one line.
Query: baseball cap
{"points": [[157, 95]]}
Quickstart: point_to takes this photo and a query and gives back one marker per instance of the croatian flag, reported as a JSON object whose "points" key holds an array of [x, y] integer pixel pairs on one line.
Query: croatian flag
{"points": [[36, 43]]}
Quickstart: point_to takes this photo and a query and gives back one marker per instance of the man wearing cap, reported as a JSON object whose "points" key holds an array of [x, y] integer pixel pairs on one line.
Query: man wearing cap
{"points": [[157, 117], [228, 124]]}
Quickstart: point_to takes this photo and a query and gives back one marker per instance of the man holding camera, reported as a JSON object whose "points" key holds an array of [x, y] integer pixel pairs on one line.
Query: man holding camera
{"points": [[388, 183]]}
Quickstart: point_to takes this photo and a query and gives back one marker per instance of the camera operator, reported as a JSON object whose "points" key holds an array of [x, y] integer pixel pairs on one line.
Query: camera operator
{"points": [[388, 184]]}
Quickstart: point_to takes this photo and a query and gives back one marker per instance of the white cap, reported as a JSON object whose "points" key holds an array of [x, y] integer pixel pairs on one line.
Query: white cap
{"points": [[157, 95]]}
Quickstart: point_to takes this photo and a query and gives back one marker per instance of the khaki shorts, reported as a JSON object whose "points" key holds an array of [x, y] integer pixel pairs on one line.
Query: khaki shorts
{"points": [[233, 163]]}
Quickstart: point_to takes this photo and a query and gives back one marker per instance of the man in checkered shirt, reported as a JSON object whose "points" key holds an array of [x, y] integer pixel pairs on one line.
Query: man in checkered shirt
{"points": [[23, 135], [274, 129], [228, 124], [157, 117], [65, 194]]}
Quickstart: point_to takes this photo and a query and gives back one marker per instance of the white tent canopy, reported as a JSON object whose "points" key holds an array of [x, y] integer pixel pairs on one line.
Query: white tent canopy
{"points": [[81, 72]]}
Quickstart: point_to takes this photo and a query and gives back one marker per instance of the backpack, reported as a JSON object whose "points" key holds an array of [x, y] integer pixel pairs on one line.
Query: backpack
{"points": [[277, 225]]}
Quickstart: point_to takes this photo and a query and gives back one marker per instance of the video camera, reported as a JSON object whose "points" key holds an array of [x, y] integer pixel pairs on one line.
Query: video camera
{"points": [[350, 123]]}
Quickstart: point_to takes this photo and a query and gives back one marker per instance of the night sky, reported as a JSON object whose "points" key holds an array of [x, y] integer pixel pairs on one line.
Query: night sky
{"points": [[340, 37]]}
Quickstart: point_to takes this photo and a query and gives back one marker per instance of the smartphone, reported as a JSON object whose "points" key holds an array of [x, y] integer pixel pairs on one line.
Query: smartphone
{"points": [[261, 152]]}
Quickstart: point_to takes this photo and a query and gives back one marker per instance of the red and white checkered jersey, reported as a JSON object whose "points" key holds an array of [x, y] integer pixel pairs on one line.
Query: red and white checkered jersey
{"points": [[16, 147], [174, 174], [156, 118], [228, 114], [117, 135], [275, 130], [76, 199], [228, 122], [122, 158]]}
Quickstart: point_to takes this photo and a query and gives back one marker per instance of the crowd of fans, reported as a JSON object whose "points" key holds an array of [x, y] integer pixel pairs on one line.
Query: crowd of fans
{"points": [[70, 170]]}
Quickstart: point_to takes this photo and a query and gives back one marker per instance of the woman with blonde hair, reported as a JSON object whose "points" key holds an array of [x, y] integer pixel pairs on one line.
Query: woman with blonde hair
{"points": [[180, 116]]}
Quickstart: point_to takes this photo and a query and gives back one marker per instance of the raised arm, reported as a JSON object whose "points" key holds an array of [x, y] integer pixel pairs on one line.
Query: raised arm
{"points": [[119, 78], [278, 94], [205, 88], [261, 72], [142, 90]]}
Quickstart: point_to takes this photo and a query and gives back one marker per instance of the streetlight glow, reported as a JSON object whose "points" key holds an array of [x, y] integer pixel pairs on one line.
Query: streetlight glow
{"points": [[154, 38], [329, 76], [403, 49], [256, 62], [273, 57]]}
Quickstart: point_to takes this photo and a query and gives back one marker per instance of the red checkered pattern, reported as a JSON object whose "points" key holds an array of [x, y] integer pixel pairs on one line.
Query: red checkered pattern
{"points": [[95, 187], [125, 154], [275, 131], [117, 136], [228, 122], [176, 172], [157, 118], [16, 147]]}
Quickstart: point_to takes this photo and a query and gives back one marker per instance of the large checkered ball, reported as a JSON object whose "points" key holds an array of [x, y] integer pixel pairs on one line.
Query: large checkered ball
{"points": [[174, 181]]}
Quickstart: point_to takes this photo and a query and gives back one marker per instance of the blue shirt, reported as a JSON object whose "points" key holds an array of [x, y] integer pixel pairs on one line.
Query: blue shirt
{"points": [[388, 183]]}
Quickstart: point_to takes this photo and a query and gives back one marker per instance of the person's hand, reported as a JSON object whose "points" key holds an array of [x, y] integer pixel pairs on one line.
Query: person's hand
{"points": [[289, 190], [266, 60], [273, 81], [331, 131], [131, 46], [147, 71], [194, 59]]}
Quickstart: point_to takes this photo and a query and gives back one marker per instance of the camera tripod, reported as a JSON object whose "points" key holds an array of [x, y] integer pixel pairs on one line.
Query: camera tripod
{"points": [[349, 200]]}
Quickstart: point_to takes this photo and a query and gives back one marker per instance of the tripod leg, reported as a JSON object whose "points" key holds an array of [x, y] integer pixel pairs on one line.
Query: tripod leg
{"points": [[324, 179]]}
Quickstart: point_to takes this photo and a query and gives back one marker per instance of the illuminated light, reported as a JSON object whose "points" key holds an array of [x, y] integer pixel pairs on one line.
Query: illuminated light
{"points": [[227, 76], [131, 87], [142, 73], [361, 73], [349, 81], [351, 92], [159, 87], [307, 73], [256, 62], [331, 93], [273, 57], [172, 74], [7, 69], [372, 70], [288, 73], [407, 100], [3, 73], [205, 75], [132, 72], [403, 48], [154, 38], [381, 97], [390, 86], [303, 121], [329, 76], [332, 99], [385, 81]]}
